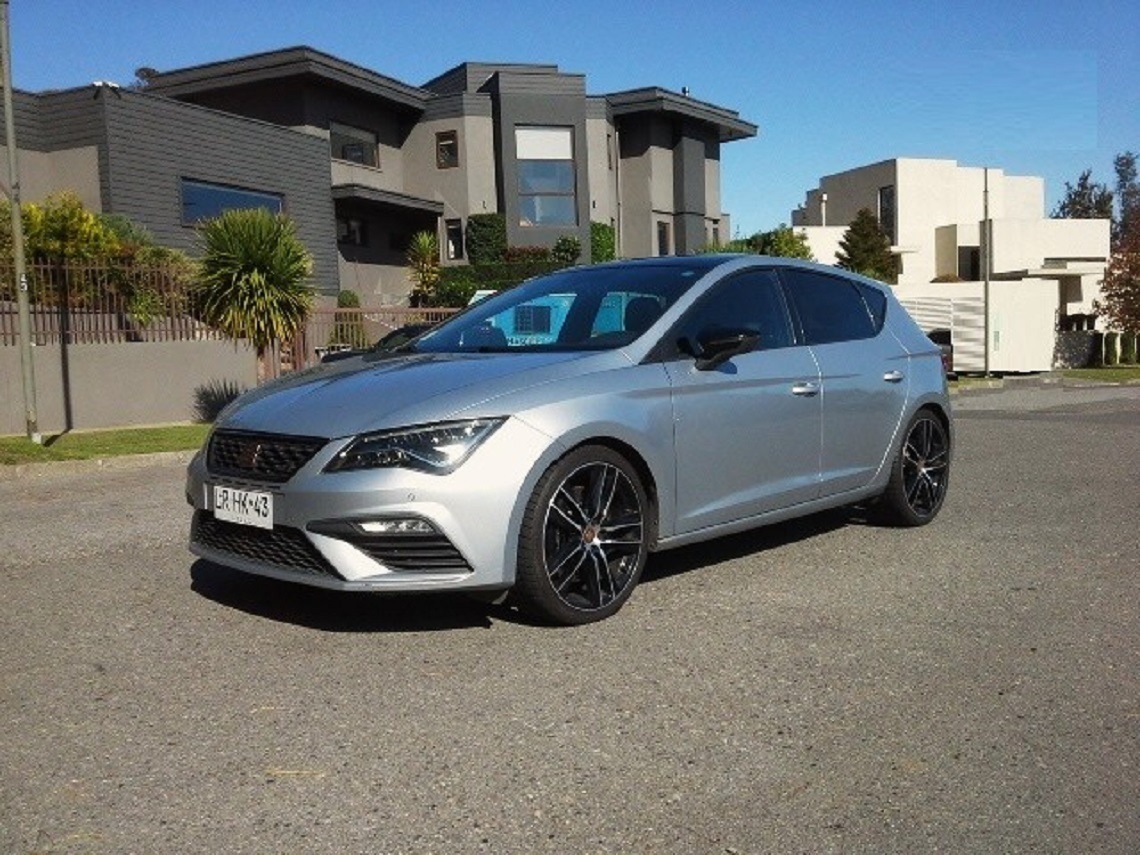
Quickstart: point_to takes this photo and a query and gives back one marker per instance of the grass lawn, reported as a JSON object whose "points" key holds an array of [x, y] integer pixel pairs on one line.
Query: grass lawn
{"points": [[1111, 374], [83, 445]]}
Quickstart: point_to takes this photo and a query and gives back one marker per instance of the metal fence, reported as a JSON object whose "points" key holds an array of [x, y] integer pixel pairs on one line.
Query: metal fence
{"points": [[342, 329], [101, 304], [107, 304]]}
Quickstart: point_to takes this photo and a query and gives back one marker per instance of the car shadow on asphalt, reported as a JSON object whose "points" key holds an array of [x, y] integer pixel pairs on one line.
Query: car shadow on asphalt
{"points": [[338, 611], [663, 565]]}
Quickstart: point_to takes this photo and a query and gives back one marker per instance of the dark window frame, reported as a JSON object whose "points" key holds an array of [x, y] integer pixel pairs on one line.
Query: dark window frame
{"points": [[445, 141], [570, 193], [347, 237], [453, 250], [355, 135], [232, 191]]}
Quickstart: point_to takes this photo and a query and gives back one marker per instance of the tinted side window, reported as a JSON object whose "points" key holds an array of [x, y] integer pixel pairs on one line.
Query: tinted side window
{"points": [[751, 301], [830, 308]]}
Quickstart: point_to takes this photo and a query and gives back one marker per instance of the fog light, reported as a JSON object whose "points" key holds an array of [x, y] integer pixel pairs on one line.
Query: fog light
{"points": [[397, 526]]}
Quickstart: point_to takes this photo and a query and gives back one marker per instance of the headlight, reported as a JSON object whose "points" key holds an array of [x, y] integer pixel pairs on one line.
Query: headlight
{"points": [[437, 448]]}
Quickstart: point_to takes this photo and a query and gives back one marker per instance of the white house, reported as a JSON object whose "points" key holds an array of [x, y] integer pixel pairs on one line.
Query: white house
{"points": [[934, 212]]}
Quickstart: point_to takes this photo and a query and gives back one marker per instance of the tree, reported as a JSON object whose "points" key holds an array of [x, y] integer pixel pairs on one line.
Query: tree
{"points": [[1127, 195], [423, 259], [1120, 292], [486, 238], [252, 278], [866, 249], [784, 242], [1086, 200], [603, 242]]}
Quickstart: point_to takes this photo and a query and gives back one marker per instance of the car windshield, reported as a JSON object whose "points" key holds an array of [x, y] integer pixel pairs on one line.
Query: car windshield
{"points": [[582, 308]]}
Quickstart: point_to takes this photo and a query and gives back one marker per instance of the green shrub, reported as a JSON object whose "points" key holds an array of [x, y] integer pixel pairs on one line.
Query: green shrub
{"points": [[526, 254], [603, 242], [486, 238], [567, 250], [349, 326], [456, 286], [1128, 348], [1110, 340], [1096, 350]]}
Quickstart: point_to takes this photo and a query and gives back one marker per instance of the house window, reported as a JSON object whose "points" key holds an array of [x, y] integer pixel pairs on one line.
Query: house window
{"points": [[970, 263], [664, 239], [353, 144], [351, 231], [454, 239], [547, 182], [202, 200], [532, 320], [399, 241], [887, 211], [447, 149]]}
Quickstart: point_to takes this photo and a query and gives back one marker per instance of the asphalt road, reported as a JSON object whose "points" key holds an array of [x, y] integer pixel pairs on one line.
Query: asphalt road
{"points": [[821, 686]]}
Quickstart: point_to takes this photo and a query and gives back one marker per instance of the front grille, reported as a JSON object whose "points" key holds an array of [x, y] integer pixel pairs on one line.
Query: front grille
{"points": [[260, 456], [426, 554], [282, 547]]}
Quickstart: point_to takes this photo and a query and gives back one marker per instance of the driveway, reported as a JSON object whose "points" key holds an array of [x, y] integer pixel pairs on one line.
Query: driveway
{"points": [[820, 686]]}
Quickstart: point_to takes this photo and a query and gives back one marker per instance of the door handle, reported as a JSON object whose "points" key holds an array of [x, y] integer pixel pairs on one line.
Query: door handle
{"points": [[805, 390], [893, 376]]}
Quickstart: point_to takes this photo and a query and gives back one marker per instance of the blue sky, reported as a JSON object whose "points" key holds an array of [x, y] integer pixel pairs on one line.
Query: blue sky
{"points": [[1034, 88]]}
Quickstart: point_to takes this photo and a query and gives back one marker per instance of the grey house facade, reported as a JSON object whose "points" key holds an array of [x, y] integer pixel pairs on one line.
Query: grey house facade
{"points": [[362, 161]]}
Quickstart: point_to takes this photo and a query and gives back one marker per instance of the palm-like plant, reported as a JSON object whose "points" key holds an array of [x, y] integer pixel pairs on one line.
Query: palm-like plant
{"points": [[252, 278], [423, 261]]}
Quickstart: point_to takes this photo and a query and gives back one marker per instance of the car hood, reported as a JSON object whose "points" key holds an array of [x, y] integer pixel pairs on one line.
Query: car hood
{"points": [[360, 395]]}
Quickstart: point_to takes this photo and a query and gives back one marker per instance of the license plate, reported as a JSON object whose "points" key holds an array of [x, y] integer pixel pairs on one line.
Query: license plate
{"points": [[243, 506]]}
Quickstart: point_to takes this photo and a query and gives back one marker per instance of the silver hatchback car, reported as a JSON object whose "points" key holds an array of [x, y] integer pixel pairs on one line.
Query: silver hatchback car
{"points": [[543, 442]]}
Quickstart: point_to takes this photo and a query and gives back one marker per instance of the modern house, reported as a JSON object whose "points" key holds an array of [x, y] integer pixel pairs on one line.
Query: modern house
{"points": [[934, 212], [946, 224], [362, 161]]}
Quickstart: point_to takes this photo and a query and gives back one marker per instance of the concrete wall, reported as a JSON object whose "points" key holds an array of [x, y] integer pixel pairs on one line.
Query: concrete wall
{"points": [[823, 241], [1022, 316], [43, 173], [1026, 244], [602, 162], [112, 385]]}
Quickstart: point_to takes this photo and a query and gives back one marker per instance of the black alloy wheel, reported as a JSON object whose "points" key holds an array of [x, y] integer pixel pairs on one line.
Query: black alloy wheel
{"points": [[584, 540], [921, 473]]}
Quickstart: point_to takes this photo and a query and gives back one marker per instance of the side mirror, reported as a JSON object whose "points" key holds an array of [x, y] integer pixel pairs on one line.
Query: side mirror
{"points": [[714, 347]]}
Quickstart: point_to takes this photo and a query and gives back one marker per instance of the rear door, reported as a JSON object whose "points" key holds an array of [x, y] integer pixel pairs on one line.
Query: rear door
{"points": [[863, 373]]}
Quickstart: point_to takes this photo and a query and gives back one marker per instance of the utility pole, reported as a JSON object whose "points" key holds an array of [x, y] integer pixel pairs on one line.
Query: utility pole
{"points": [[29, 377], [986, 253]]}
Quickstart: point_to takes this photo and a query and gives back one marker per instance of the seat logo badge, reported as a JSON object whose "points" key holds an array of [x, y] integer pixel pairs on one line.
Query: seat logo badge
{"points": [[249, 455]]}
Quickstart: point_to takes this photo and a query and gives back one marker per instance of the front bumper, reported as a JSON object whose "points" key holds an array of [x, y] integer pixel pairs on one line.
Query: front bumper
{"points": [[317, 536]]}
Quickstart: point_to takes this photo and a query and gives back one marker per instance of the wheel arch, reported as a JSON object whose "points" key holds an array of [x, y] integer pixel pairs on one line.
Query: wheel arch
{"points": [[639, 463]]}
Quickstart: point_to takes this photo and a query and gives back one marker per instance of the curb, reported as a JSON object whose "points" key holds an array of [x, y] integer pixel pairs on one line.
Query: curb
{"points": [[97, 464]]}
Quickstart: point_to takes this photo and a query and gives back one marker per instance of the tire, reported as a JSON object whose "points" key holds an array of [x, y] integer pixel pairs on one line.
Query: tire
{"points": [[920, 473], [584, 539]]}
